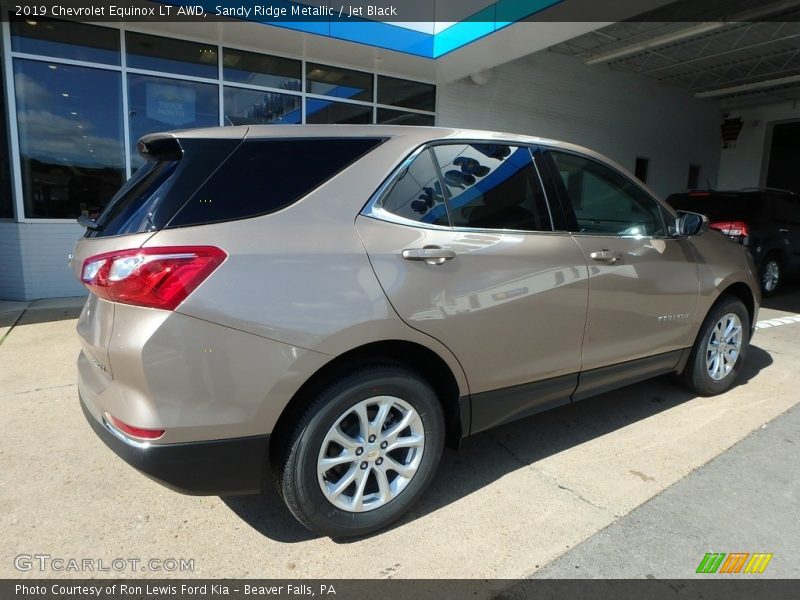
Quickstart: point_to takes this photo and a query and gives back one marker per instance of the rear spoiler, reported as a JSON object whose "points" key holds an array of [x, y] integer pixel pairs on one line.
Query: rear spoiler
{"points": [[160, 147]]}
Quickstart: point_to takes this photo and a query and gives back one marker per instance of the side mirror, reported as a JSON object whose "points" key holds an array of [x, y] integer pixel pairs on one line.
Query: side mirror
{"points": [[691, 223]]}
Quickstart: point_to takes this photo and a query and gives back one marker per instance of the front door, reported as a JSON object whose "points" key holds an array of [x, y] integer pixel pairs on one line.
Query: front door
{"points": [[643, 283]]}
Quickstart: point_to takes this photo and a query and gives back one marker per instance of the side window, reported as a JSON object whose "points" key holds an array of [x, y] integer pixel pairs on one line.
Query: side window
{"points": [[417, 194], [606, 202], [786, 209], [493, 186], [263, 176]]}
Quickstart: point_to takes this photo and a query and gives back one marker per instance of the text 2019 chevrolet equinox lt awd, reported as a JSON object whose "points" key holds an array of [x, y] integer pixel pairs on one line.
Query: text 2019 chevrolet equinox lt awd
{"points": [[331, 305]]}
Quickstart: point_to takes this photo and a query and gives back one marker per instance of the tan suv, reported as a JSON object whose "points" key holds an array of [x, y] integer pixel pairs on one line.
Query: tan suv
{"points": [[333, 304]]}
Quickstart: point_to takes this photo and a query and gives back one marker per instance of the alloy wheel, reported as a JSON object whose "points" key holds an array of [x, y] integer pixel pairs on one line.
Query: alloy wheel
{"points": [[371, 454], [724, 346], [771, 276]]}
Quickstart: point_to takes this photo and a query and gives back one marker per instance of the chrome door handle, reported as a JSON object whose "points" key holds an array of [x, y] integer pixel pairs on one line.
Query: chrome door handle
{"points": [[432, 255], [609, 257], [783, 230]]}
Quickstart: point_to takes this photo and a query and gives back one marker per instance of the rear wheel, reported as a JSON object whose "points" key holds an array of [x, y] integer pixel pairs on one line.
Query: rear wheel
{"points": [[770, 275], [363, 452], [720, 348]]}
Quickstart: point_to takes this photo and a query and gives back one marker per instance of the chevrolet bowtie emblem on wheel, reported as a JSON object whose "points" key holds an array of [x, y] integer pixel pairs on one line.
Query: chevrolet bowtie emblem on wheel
{"points": [[735, 562]]}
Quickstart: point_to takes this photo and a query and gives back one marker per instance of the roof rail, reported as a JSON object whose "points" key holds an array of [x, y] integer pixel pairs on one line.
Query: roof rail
{"points": [[766, 189]]}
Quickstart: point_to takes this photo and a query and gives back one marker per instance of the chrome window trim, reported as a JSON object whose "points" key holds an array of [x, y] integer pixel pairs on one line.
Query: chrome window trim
{"points": [[373, 210]]}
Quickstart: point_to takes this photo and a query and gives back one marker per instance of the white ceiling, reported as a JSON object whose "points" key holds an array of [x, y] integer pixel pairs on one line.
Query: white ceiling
{"points": [[744, 53]]}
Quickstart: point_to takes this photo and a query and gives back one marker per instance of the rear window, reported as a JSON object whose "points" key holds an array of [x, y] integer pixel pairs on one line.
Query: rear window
{"points": [[263, 176], [718, 206], [161, 186], [216, 180]]}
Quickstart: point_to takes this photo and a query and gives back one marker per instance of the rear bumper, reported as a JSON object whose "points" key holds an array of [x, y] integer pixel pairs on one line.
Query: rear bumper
{"points": [[206, 468]]}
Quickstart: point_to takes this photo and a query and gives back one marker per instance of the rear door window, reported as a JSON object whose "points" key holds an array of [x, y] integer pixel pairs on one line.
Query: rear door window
{"points": [[786, 209], [492, 186], [263, 176], [416, 193]]}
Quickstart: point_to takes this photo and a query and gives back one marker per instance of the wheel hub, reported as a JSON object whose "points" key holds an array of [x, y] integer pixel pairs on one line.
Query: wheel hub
{"points": [[370, 454], [724, 346]]}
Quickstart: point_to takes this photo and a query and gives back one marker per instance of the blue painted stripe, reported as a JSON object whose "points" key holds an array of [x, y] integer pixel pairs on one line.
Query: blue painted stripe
{"points": [[393, 37]]}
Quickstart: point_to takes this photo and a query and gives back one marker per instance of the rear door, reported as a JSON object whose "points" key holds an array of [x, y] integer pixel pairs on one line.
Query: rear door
{"points": [[463, 244], [643, 284]]}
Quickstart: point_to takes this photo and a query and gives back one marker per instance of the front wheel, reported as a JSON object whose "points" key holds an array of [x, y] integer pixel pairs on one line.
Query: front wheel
{"points": [[719, 350], [363, 452]]}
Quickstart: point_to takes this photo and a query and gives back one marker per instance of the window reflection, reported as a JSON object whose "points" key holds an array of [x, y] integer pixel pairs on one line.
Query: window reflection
{"points": [[493, 186], [325, 111], [70, 137], [160, 104], [248, 107], [262, 69], [417, 194], [399, 117], [6, 201], [156, 53], [338, 82], [65, 39], [405, 93]]}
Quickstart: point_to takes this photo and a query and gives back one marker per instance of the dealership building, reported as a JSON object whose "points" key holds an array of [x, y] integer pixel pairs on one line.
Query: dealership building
{"points": [[708, 99]]}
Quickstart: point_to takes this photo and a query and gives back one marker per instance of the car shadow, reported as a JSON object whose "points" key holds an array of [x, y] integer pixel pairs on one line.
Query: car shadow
{"points": [[786, 299], [486, 457]]}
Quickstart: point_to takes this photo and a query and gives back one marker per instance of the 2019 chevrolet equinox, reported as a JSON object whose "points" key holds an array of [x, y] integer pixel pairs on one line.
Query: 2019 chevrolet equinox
{"points": [[331, 305]]}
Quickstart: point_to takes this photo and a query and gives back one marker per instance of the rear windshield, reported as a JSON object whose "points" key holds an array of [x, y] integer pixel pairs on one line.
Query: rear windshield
{"points": [[223, 180], [718, 206]]}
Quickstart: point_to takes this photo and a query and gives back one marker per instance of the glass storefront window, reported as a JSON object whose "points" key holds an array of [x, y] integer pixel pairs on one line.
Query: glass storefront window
{"points": [[405, 93], [326, 111], [338, 82], [262, 70], [399, 117], [70, 137], [250, 107], [162, 104], [155, 53], [66, 39], [6, 199], [70, 116]]}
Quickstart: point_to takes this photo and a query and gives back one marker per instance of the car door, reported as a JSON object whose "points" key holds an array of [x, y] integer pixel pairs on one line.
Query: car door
{"points": [[643, 283], [461, 239]]}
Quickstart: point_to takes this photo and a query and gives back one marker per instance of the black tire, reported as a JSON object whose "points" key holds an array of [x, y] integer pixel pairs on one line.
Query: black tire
{"points": [[296, 468], [696, 375], [772, 264]]}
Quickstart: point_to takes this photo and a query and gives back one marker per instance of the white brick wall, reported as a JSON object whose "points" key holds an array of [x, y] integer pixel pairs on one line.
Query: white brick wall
{"points": [[620, 115], [33, 260]]}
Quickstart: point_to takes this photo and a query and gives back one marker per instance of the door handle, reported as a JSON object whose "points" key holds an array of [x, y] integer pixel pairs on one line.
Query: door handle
{"points": [[783, 230], [609, 257], [432, 255]]}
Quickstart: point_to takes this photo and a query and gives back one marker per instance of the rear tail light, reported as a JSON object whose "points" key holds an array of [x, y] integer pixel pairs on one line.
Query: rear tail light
{"points": [[151, 277], [735, 229], [135, 432]]}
